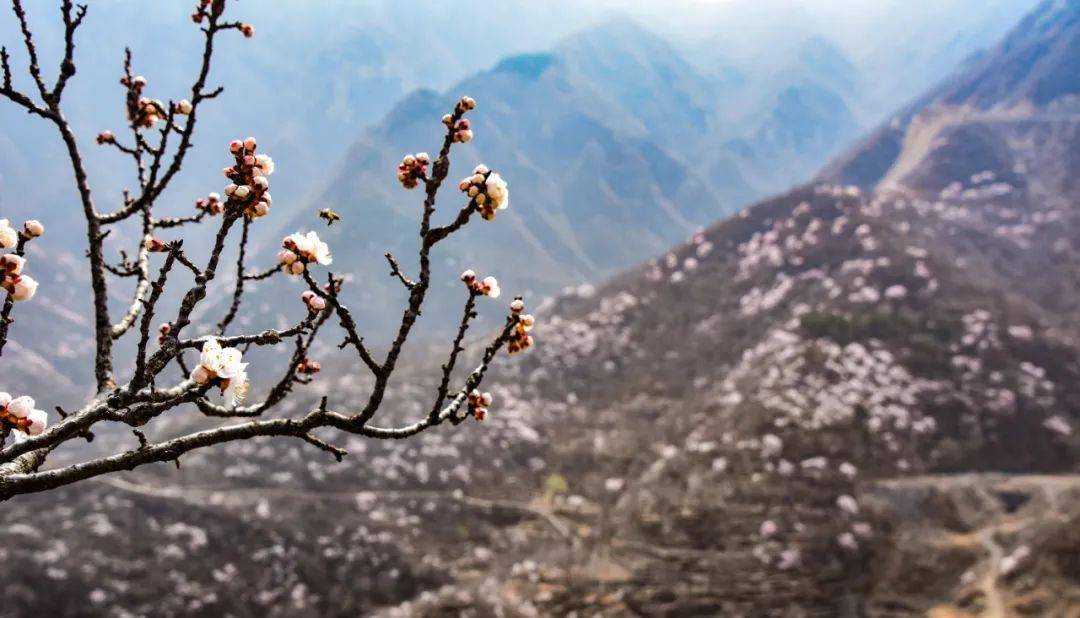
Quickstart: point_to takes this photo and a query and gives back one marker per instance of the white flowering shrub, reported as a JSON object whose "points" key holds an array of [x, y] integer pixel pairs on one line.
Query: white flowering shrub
{"points": [[217, 383]]}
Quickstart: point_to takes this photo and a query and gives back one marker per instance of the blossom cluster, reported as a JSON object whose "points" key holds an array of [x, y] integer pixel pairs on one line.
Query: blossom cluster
{"points": [[249, 186], [488, 286], [487, 190], [19, 286], [307, 367], [299, 250], [520, 339], [412, 169], [211, 204], [479, 403], [461, 128], [224, 368], [143, 112], [19, 413]]}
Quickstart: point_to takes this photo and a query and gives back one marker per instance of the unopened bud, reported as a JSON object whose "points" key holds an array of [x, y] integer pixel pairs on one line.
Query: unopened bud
{"points": [[154, 245], [33, 228], [200, 375]]}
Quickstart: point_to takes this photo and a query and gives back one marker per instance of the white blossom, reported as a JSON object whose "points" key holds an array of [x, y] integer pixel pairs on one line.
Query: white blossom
{"points": [[308, 248], [768, 529], [34, 228], [847, 541], [222, 362], [264, 164], [497, 191], [1058, 424], [848, 469], [895, 292], [39, 419], [21, 407], [613, 484], [848, 504], [237, 389], [9, 237], [491, 287], [226, 365]]}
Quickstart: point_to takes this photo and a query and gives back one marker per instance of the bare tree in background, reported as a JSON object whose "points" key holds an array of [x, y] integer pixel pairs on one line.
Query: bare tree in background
{"points": [[160, 137]]}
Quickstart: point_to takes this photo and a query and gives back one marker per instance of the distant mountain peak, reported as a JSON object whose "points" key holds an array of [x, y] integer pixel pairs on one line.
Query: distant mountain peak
{"points": [[529, 66]]}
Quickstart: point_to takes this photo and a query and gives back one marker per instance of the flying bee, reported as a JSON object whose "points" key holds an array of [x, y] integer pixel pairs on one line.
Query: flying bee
{"points": [[329, 215]]}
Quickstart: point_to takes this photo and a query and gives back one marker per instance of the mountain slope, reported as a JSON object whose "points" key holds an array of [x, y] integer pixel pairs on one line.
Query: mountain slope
{"points": [[1032, 74]]}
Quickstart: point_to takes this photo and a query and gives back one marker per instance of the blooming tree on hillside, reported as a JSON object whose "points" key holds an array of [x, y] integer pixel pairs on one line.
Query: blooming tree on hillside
{"points": [[217, 384]]}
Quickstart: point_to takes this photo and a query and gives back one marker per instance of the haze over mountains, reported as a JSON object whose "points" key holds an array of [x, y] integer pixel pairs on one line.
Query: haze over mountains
{"points": [[917, 317], [647, 136]]}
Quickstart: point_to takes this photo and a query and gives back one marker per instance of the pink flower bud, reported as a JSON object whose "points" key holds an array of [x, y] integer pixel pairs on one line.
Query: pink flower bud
{"points": [[154, 245], [261, 209], [184, 107], [249, 144], [295, 268], [286, 257], [468, 276], [317, 303], [235, 146], [200, 375]]}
